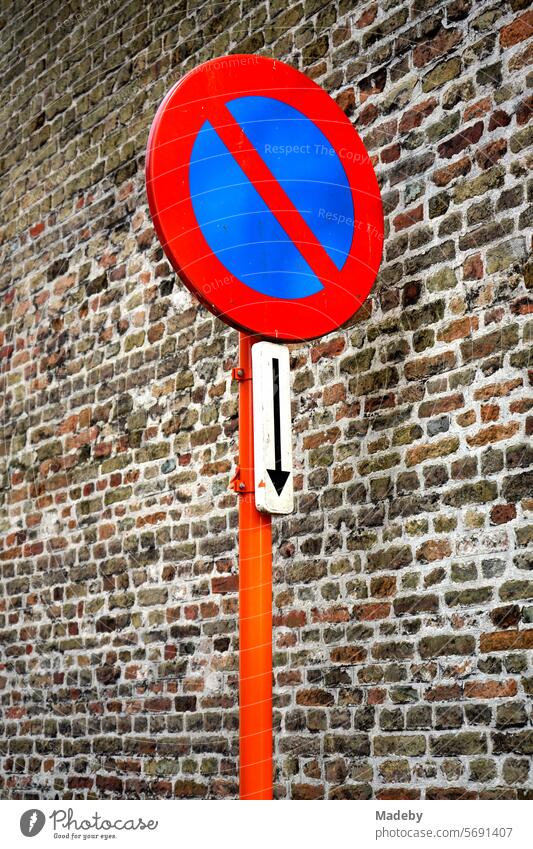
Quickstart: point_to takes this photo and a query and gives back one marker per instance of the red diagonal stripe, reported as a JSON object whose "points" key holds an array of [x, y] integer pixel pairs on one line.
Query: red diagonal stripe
{"points": [[275, 197]]}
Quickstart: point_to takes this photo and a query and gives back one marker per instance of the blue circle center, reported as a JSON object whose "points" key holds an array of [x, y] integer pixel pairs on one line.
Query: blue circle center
{"points": [[239, 227]]}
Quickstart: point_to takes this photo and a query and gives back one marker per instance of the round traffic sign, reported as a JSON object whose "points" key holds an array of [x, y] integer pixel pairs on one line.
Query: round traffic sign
{"points": [[264, 198]]}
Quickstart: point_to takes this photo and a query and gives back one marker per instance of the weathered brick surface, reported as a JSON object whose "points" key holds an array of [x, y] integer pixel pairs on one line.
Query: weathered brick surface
{"points": [[403, 607]]}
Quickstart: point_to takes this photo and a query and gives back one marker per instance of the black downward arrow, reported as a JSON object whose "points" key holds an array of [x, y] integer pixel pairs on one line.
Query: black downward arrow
{"points": [[277, 475]]}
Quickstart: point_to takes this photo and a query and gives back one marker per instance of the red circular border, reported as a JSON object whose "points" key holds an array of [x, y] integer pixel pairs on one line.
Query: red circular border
{"points": [[176, 124]]}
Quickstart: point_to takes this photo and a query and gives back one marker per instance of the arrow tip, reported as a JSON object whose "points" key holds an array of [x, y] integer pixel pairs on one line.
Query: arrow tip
{"points": [[278, 478]]}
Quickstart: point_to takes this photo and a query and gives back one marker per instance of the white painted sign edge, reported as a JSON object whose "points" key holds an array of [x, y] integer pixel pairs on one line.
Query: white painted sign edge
{"points": [[267, 499]]}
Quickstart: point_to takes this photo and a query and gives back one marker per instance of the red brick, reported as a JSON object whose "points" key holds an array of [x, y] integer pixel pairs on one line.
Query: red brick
{"points": [[434, 550], [506, 641], [341, 474], [452, 793], [443, 176], [432, 450], [367, 115], [491, 343], [381, 135], [291, 619], [440, 405], [522, 306], [348, 654], [380, 402], [470, 135], [307, 791], [368, 17], [524, 111], [443, 693], [156, 705], [499, 118], [334, 394], [424, 367], [407, 219], [109, 783], [78, 782], [209, 609], [507, 616], [458, 329], [477, 110], [490, 413], [376, 696], [338, 613], [392, 793], [490, 689], [327, 437], [521, 405], [331, 348], [156, 332], [414, 116], [443, 42], [520, 29], [390, 154], [373, 84], [371, 611], [497, 390], [346, 100], [522, 59], [289, 678], [226, 584], [145, 239], [473, 267], [491, 153], [36, 230], [382, 586], [491, 434], [314, 698]]}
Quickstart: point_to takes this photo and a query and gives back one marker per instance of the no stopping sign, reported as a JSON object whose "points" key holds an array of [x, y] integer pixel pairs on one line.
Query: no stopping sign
{"points": [[264, 198]]}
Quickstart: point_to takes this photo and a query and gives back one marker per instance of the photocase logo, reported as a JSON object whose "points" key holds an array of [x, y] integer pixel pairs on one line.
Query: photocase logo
{"points": [[32, 822]]}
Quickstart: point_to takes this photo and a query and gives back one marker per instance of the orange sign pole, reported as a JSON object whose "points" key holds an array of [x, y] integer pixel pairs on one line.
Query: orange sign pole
{"points": [[255, 604]]}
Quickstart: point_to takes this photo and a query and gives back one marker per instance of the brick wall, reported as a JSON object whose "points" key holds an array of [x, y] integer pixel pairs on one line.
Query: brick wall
{"points": [[403, 591]]}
